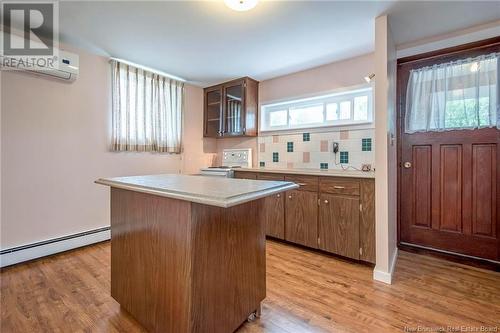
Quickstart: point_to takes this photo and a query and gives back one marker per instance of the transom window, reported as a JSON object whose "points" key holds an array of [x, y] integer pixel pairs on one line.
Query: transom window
{"points": [[337, 109]]}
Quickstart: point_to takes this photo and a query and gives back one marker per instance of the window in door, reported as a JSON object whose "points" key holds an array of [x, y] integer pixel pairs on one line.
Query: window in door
{"points": [[455, 95]]}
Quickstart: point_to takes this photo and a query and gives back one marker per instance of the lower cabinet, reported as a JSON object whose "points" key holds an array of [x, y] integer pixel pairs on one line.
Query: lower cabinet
{"points": [[334, 214], [301, 216], [338, 225]]}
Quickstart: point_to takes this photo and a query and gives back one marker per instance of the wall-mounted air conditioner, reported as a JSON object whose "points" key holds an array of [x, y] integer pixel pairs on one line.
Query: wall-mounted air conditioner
{"points": [[66, 66]]}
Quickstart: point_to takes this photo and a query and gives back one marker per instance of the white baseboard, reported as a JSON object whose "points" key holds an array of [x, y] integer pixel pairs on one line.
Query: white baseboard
{"points": [[41, 249], [383, 276]]}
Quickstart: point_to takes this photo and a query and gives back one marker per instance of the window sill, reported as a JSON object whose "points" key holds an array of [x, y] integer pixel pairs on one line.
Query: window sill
{"points": [[320, 129]]}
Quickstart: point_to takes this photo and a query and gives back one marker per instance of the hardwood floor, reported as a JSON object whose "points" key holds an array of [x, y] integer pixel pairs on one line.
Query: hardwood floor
{"points": [[306, 292]]}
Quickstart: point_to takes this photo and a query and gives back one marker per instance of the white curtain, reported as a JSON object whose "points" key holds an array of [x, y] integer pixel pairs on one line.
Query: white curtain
{"points": [[147, 110], [455, 95]]}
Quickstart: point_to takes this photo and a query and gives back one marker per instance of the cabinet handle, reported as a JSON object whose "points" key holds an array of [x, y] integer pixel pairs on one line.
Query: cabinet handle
{"points": [[289, 197], [278, 195], [339, 187], [326, 201], [301, 184]]}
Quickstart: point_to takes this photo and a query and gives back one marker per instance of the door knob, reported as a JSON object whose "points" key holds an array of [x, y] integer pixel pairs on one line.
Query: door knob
{"points": [[407, 165]]}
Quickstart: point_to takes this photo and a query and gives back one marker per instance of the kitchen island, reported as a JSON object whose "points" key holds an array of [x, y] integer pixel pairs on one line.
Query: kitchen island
{"points": [[188, 252]]}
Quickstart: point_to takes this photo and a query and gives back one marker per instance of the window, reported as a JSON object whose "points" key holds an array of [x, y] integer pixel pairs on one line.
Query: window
{"points": [[312, 114], [454, 95], [345, 108], [147, 110], [278, 118]]}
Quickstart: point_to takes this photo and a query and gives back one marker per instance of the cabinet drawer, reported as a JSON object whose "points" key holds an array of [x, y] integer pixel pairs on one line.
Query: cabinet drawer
{"points": [[270, 176], [245, 175], [306, 183], [339, 186]]}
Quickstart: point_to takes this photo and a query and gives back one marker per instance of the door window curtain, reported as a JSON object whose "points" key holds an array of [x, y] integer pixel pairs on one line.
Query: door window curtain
{"points": [[147, 110], [455, 95]]}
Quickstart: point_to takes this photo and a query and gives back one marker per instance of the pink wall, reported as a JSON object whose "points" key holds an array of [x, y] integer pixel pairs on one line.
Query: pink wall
{"points": [[54, 144], [229, 143], [198, 152], [385, 151], [325, 78]]}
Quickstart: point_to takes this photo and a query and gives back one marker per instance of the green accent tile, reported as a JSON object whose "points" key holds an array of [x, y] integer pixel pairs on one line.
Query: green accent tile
{"points": [[276, 157], [289, 147], [344, 157], [323, 166], [366, 144], [306, 137], [262, 164]]}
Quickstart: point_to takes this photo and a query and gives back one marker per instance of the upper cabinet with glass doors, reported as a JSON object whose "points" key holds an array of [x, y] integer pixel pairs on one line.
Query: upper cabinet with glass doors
{"points": [[230, 109]]}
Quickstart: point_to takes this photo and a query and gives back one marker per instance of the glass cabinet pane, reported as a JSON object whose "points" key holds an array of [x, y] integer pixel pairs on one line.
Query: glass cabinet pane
{"points": [[214, 111], [234, 109]]}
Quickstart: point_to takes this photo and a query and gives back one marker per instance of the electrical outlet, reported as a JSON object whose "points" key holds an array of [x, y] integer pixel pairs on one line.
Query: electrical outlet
{"points": [[335, 147]]}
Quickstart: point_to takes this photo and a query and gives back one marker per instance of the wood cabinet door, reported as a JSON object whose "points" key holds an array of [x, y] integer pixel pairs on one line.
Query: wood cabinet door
{"points": [[234, 108], [301, 218], [338, 227], [367, 221], [274, 206], [213, 112]]}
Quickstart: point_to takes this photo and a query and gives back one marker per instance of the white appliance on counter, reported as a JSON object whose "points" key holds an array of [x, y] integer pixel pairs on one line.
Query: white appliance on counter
{"points": [[231, 159]]}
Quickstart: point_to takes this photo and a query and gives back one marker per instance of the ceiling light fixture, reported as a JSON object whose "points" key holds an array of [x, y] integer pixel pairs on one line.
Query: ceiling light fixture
{"points": [[241, 5], [369, 77]]}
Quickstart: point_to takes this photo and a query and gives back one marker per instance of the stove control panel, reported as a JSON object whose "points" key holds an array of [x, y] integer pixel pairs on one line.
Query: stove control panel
{"points": [[237, 158]]}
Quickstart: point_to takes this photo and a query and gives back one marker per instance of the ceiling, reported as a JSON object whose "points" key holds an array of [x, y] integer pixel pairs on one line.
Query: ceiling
{"points": [[205, 42]]}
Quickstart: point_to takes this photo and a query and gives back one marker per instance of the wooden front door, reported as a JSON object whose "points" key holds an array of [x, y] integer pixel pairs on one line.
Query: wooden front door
{"points": [[449, 187], [449, 192]]}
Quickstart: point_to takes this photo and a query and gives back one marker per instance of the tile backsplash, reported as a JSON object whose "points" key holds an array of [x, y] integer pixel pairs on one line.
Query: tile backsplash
{"points": [[315, 150]]}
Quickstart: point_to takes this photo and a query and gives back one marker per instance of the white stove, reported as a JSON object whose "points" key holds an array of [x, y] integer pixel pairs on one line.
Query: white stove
{"points": [[231, 159]]}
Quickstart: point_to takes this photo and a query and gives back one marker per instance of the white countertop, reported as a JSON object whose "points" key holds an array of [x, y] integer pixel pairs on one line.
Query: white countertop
{"points": [[207, 190], [314, 172]]}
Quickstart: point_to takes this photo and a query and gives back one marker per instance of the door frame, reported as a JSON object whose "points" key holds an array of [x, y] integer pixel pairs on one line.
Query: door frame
{"points": [[420, 60]]}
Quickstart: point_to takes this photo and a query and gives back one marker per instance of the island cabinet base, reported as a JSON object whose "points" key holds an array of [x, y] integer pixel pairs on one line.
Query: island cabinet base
{"points": [[178, 266]]}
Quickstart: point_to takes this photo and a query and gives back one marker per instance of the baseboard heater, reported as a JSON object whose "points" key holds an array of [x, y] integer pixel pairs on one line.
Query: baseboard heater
{"points": [[44, 248]]}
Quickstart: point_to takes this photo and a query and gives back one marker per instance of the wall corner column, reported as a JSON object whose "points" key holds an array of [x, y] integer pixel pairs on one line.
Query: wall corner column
{"points": [[385, 152]]}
